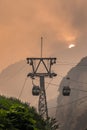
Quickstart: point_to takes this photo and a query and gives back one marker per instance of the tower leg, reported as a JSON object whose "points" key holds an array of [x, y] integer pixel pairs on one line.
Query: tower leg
{"points": [[42, 106]]}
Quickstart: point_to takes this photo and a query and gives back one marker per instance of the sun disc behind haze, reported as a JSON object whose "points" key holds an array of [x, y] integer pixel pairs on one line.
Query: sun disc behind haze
{"points": [[71, 46]]}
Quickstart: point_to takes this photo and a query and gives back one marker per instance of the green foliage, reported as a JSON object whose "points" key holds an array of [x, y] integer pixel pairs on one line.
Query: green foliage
{"points": [[15, 115]]}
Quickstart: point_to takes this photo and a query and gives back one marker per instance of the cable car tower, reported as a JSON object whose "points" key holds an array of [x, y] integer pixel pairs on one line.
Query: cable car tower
{"points": [[40, 91]]}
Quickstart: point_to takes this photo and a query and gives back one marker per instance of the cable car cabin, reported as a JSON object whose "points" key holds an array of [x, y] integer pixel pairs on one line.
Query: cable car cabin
{"points": [[66, 91], [35, 90]]}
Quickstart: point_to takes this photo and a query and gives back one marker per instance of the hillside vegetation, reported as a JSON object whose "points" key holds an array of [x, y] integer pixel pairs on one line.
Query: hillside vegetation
{"points": [[15, 115]]}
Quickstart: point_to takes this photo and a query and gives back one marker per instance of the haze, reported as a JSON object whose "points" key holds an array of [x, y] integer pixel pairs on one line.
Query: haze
{"points": [[60, 22]]}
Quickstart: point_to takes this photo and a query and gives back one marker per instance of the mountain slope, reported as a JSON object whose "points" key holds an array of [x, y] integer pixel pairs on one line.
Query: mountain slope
{"points": [[70, 110], [12, 80], [12, 84]]}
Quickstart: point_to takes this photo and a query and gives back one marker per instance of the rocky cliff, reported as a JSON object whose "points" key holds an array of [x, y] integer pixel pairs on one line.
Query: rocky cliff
{"points": [[72, 110]]}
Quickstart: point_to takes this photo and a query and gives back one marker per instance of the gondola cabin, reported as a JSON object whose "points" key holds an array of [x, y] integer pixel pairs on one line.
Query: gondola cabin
{"points": [[66, 91], [35, 91]]}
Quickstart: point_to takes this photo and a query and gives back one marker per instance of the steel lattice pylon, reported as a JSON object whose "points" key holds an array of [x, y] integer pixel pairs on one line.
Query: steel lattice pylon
{"points": [[42, 104]]}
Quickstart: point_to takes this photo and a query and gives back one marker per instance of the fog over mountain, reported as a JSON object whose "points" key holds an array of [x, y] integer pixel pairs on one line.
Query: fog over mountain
{"points": [[12, 79], [72, 110], [15, 83]]}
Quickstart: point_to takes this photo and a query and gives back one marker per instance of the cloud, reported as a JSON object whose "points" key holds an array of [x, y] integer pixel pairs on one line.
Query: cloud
{"points": [[22, 23]]}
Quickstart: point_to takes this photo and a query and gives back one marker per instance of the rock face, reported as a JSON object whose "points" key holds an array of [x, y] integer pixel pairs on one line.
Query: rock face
{"points": [[72, 110]]}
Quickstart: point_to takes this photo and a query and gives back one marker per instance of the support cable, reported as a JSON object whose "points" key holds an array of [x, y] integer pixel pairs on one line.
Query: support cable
{"points": [[59, 106], [68, 63], [72, 79], [16, 72], [79, 89], [56, 85], [22, 88], [71, 87], [49, 83]]}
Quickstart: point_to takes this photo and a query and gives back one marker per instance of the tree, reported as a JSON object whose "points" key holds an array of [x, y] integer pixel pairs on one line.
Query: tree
{"points": [[15, 115], [19, 116]]}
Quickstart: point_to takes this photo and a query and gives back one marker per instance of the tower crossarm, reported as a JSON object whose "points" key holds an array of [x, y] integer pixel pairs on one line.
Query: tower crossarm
{"points": [[51, 61]]}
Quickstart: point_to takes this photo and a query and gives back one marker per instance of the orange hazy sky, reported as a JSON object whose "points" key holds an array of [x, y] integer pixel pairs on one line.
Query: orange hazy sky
{"points": [[60, 22]]}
